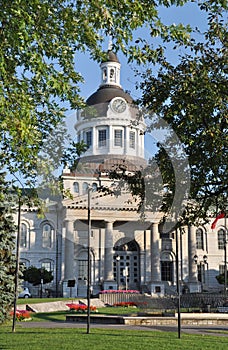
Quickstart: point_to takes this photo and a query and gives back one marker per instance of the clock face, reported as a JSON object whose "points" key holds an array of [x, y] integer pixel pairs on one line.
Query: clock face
{"points": [[119, 105]]}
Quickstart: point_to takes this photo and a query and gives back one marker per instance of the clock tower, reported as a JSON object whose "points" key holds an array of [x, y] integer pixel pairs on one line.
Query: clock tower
{"points": [[111, 124]]}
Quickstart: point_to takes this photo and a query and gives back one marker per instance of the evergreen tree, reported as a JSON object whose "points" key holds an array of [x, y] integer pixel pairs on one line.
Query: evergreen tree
{"points": [[7, 249]]}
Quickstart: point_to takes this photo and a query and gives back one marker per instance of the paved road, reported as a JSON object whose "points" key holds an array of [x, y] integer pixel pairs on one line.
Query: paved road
{"points": [[209, 330]]}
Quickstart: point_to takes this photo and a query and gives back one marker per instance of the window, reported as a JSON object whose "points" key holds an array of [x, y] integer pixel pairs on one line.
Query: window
{"points": [[94, 187], [112, 74], [221, 239], [118, 138], [47, 235], [167, 271], [221, 269], [82, 269], [199, 238], [24, 236], [76, 187], [132, 139], [102, 137], [104, 74], [88, 138], [46, 266], [85, 187], [201, 272]]}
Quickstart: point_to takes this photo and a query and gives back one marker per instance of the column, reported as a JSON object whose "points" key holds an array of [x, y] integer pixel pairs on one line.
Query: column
{"points": [[108, 252], [69, 251], [155, 254], [193, 284]]}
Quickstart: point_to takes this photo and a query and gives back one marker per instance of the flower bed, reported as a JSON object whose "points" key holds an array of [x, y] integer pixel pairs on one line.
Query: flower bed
{"points": [[80, 308], [125, 304], [119, 291], [22, 315]]}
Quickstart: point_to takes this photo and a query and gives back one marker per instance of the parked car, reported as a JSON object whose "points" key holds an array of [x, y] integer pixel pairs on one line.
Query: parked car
{"points": [[25, 293]]}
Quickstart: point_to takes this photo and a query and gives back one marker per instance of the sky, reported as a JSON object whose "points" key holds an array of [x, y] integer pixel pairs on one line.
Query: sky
{"points": [[90, 70]]}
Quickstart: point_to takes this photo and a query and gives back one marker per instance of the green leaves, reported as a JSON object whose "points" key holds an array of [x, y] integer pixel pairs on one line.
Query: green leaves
{"points": [[192, 98]]}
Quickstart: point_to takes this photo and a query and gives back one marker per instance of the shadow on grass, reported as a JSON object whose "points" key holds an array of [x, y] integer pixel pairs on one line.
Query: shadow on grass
{"points": [[58, 316]]}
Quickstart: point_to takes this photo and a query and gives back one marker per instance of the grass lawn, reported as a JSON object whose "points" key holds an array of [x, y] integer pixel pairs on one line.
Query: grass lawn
{"points": [[99, 339], [103, 339]]}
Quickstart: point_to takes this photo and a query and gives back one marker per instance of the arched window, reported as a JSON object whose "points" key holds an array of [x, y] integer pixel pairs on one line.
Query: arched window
{"points": [[167, 267], [104, 75], [94, 186], [47, 265], [221, 238], [24, 236], [47, 231], [199, 239], [76, 187], [112, 74], [85, 187]]}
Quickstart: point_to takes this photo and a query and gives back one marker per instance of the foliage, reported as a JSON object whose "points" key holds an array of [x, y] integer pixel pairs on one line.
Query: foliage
{"points": [[39, 44], [7, 247], [34, 275], [221, 278], [191, 98]]}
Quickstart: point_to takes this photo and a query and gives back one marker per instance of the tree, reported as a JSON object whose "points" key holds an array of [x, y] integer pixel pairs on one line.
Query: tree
{"points": [[191, 97], [39, 42], [35, 275], [7, 244], [221, 278]]}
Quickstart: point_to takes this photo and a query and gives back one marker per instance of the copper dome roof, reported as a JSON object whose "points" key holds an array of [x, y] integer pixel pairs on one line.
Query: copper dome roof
{"points": [[106, 93]]}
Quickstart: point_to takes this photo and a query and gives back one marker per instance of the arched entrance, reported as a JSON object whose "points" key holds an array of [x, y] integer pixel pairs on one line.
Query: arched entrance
{"points": [[126, 264]]}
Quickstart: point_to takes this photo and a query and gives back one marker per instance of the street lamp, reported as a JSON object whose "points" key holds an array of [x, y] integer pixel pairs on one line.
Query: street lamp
{"points": [[225, 265], [89, 263], [117, 271], [17, 263], [201, 269]]}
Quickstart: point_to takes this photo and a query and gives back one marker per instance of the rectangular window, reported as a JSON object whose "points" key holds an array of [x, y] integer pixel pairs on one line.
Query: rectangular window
{"points": [[167, 271], [132, 139], [221, 239], [102, 137], [46, 266], [82, 269], [24, 234], [199, 239], [221, 269], [47, 236], [118, 138], [88, 140]]}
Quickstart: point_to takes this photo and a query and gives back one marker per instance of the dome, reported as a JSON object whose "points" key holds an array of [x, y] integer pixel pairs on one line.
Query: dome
{"points": [[111, 57], [106, 93]]}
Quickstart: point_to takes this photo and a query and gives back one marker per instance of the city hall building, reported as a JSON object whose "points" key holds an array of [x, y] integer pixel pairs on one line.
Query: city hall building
{"points": [[126, 252]]}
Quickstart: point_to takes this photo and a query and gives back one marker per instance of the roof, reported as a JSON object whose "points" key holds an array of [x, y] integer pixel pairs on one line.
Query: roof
{"points": [[111, 57], [106, 93]]}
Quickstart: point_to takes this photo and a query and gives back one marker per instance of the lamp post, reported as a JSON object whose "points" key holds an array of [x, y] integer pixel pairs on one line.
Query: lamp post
{"points": [[202, 270], [17, 263], [118, 271], [178, 285], [225, 265], [89, 263]]}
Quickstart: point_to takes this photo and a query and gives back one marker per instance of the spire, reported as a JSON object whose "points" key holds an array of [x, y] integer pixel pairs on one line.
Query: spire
{"points": [[110, 44]]}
